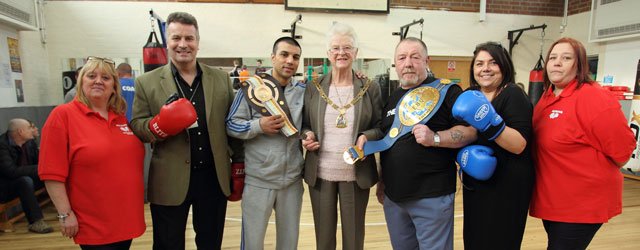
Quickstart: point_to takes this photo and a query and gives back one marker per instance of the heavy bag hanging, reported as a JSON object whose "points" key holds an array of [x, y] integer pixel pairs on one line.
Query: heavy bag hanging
{"points": [[536, 82], [154, 54]]}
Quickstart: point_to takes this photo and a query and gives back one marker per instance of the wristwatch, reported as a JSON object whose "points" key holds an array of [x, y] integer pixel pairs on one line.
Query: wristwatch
{"points": [[436, 139]]}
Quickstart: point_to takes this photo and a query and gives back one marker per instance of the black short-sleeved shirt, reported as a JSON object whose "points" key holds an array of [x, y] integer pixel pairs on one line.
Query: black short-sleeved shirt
{"points": [[503, 200], [411, 171]]}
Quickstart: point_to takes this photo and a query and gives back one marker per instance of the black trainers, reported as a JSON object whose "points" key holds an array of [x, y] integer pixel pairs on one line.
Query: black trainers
{"points": [[40, 227]]}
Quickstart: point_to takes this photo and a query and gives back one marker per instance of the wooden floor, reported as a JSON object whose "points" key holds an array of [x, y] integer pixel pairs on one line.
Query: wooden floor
{"points": [[621, 233]]}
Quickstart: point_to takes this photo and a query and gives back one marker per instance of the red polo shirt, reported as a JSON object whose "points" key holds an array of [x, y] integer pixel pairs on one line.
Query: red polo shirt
{"points": [[101, 163], [578, 135]]}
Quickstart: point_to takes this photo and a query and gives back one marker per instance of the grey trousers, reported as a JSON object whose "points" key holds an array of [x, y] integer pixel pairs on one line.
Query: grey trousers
{"points": [[257, 205], [353, 205]]}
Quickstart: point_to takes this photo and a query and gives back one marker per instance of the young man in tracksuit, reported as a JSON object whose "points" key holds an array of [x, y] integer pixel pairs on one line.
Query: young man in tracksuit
{"points": [[273, 161]]}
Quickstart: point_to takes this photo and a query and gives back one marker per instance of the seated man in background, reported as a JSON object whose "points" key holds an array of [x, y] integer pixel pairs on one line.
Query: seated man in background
{"points": [[19, 172]]}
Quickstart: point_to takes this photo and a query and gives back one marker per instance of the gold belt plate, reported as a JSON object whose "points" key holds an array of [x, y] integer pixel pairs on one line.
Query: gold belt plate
{"points": [[417, 105]]}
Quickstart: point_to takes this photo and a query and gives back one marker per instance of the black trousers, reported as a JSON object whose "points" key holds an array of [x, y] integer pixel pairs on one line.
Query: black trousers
{"points": [[569, 236], [23, 187], [122, 245], [209, 207]]}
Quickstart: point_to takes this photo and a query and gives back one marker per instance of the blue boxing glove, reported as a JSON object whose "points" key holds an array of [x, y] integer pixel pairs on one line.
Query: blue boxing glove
{"points": [[473, 108], [477, 161]]}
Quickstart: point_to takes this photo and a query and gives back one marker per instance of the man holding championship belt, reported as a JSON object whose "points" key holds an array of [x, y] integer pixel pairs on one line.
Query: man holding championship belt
{"points": [[418, 178], [266, 114]]}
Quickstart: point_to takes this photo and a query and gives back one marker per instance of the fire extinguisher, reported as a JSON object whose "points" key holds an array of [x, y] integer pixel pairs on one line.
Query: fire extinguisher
{"points": [[536, 82], [154, 55]]}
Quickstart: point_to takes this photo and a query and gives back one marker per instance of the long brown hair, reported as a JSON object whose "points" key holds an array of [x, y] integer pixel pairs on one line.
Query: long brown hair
{"points": [[116, 103], [582, 72]]}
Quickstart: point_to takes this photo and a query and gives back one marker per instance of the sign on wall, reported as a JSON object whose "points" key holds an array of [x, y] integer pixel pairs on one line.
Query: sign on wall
{"points": [[12, 85], [19, 91]]}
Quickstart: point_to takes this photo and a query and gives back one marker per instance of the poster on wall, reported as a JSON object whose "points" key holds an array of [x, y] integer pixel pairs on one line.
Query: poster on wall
{"points": [[19, 91], [5, 76], [14, 55]]}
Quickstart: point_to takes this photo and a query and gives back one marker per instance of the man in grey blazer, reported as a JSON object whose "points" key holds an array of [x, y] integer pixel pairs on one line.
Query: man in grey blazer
{"points": [[190, 169]]}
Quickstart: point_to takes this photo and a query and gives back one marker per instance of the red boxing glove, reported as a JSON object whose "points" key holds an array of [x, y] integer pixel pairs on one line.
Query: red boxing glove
{"points": [[173, 118], [237, 181]]}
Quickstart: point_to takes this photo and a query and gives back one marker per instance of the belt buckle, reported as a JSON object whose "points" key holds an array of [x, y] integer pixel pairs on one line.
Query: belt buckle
{"points": [[352, 155]]}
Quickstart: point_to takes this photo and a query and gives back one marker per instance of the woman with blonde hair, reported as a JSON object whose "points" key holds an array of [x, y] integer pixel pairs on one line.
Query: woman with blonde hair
{"points": [[92, 163]]}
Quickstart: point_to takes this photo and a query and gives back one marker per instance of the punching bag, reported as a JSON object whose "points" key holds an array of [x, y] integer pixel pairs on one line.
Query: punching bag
{"points": [[536, 82], [154, 54]]}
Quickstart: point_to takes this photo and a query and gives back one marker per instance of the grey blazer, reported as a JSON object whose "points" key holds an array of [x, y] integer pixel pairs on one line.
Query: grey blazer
{"points": [[170, 162], [368, 113]]}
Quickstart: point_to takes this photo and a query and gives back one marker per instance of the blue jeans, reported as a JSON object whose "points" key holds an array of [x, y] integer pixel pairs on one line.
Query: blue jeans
{"points": [[421, 224]]}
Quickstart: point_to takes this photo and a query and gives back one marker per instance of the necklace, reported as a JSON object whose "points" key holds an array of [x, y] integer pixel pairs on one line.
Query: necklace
{"points": [[341, 121]]}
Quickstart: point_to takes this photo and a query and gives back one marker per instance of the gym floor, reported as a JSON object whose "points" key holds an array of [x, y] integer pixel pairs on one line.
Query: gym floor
{"points": [[621, 233]]}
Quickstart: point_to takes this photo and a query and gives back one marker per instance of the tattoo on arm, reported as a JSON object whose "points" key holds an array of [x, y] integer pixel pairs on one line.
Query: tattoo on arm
{"points": [[457, 135]]}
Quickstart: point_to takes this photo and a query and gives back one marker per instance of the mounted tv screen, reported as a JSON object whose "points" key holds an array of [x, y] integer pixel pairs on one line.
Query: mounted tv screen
{"points": [[371, 6]]}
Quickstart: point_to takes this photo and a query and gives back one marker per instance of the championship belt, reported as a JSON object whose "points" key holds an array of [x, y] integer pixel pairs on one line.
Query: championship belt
{"points": [[416, 106], [265, 96]]}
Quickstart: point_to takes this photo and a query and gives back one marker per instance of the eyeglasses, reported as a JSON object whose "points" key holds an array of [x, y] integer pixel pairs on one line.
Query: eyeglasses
{"points": [[104, 59], [346, 49]]}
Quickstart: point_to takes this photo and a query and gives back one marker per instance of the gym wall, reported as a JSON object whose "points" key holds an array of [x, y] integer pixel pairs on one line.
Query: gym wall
{"points": [[76, 29], [79, 28]]}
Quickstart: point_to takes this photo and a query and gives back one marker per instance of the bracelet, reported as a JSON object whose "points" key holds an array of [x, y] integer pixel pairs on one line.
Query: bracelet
{"points": [[62, 217]]}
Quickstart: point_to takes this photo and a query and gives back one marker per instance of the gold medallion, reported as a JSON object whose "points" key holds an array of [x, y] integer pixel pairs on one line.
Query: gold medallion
{"points": [[445, 81], [393, 132], [341, 120]]}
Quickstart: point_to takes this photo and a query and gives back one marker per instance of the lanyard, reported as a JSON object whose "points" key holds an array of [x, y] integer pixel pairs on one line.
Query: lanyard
{"points": [[175, 78]]}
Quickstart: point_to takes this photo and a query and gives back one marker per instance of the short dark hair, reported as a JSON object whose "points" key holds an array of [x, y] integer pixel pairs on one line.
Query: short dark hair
{"points": [[183, 18], [502, 58], [124, 68], [285, 39]]}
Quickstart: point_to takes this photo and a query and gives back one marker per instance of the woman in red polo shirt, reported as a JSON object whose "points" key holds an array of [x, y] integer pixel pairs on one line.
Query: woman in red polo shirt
{"points": [[582, 139], [92, 164]]}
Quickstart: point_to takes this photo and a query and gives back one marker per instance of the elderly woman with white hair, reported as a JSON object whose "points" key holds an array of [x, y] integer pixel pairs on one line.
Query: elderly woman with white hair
{"points": [[338, 108]]}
